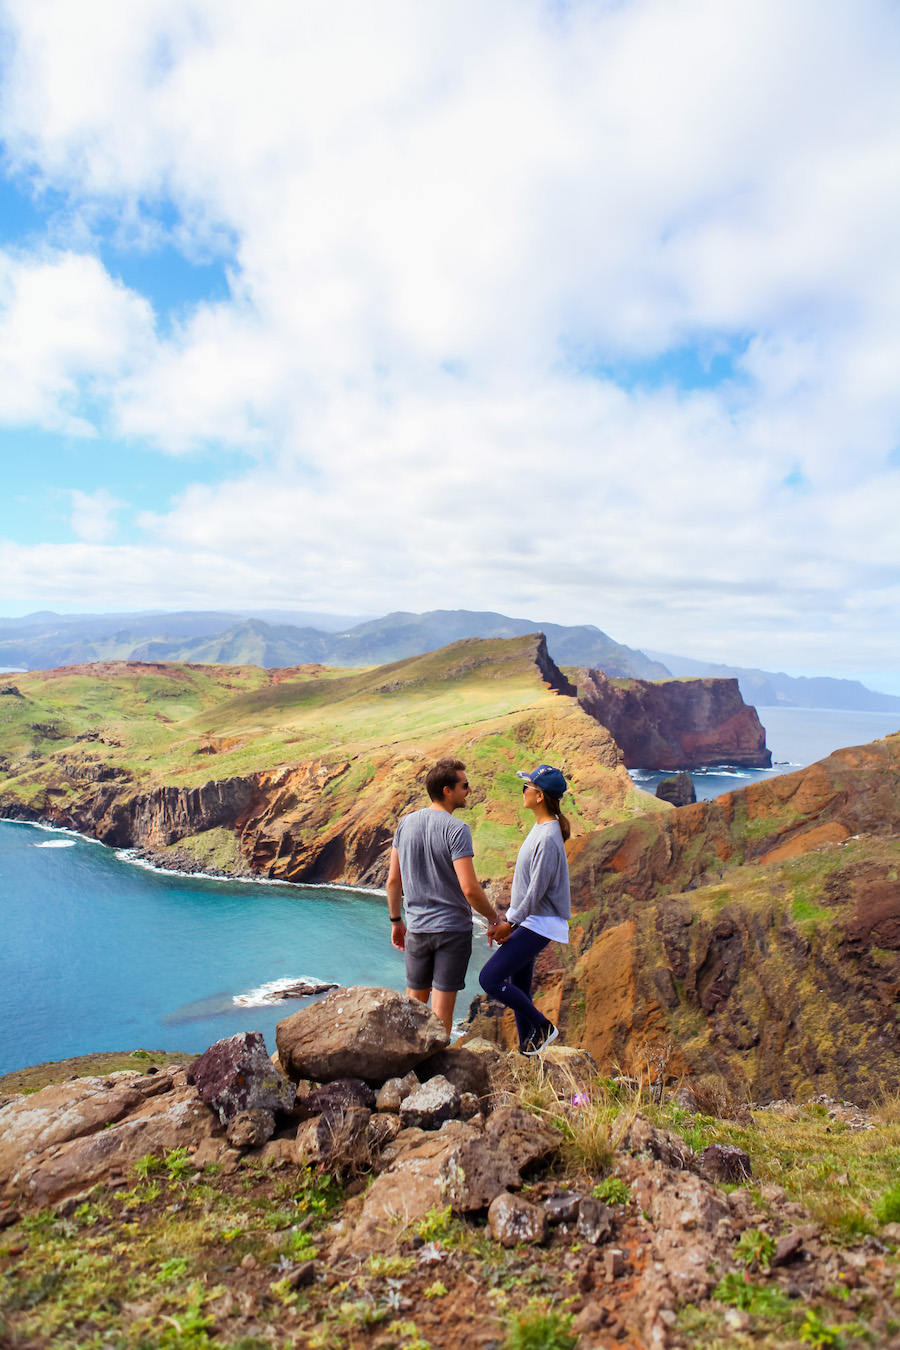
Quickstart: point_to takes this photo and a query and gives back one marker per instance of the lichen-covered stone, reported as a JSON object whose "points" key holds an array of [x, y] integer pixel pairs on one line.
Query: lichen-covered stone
{"points": [[236, 1075], [431, 1104], [359, 1032], [512, 1220]]}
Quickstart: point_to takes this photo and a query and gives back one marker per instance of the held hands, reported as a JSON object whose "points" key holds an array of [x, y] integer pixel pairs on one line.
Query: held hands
{"points": [[499, 933]]}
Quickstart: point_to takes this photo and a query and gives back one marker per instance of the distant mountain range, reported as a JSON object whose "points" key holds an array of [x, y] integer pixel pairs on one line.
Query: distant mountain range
{"points": [[273, 638], [769, 689]]}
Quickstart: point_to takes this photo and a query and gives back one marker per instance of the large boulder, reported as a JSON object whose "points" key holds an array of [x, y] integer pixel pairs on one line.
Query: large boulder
{"points": [[67, 1138], [236, 1075], [359, 1032]]}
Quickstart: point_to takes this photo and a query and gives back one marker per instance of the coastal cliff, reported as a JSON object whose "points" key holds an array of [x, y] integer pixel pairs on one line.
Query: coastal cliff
{"points": [[315, 766], [676, 724], [755, 937]]}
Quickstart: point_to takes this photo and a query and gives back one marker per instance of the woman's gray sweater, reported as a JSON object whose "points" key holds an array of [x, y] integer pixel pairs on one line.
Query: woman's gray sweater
{"points": [[541, 879]]}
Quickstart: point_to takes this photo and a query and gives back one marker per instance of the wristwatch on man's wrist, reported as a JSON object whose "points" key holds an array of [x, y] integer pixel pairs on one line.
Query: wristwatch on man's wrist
{"points": [[399, 918]]}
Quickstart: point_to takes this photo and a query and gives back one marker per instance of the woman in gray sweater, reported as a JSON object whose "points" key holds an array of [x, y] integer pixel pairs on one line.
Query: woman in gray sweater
{"points": [[539, 912]]}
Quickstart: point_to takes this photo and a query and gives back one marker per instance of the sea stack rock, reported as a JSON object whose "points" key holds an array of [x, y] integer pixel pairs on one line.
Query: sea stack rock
{"points": [[677, 791]]}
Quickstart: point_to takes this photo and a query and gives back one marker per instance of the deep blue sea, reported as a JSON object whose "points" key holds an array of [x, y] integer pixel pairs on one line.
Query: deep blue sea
{"points": [[98, 952], [796, 737]]}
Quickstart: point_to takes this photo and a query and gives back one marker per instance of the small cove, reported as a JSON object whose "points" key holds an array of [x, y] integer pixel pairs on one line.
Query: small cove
{"points": [[100, 954]]}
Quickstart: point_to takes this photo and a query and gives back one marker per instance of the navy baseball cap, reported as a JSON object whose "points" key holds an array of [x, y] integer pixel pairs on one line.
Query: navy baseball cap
{"points": [[546, 778]]}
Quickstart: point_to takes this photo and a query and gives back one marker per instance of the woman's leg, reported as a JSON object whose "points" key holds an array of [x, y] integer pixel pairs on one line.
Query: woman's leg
{"points": [[507, 977]]}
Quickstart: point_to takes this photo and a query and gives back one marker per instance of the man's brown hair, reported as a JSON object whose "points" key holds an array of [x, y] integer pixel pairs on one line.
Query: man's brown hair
{"points": [[444, 775]]}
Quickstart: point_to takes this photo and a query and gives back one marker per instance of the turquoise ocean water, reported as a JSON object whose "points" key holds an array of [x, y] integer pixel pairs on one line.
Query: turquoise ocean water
{"points": [[100, 953]]}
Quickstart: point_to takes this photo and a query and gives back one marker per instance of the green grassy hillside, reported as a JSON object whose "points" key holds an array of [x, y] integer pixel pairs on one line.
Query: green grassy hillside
{"points": [[326, 749]]}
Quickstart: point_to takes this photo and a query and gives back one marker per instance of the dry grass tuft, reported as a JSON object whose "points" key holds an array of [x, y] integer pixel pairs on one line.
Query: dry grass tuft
{"points": [[593, 1118], [887, 1105]]}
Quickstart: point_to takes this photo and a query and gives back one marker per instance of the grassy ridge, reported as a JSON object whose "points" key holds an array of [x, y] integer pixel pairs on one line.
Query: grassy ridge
{"points": [[344, 736]]}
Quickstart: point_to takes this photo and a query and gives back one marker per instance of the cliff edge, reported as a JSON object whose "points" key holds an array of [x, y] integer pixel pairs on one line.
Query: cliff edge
{"points": [[676, 724]]}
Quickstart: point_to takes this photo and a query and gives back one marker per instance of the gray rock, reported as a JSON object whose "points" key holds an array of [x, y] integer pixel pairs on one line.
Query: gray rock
{"points": [[512, 1220], [359, 1032], [430, 1105], [724, 1162], [237, 1075], [467, 1070], [340, 1095], [562, 1207], [250, 1129], [594, 1220]]}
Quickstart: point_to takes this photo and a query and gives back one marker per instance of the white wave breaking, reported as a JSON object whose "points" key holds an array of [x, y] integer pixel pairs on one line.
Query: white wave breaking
{"points": [[276, 991]]}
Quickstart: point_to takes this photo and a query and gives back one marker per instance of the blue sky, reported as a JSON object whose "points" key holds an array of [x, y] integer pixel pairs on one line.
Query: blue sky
{"points": [[586, 313]]}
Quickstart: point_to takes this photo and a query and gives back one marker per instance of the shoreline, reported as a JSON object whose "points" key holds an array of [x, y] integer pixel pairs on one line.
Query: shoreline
{"points": [[182, 865]]}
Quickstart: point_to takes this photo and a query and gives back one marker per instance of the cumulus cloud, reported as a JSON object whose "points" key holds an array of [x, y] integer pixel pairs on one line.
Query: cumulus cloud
{"points": [[93, 515], [461, 243]]}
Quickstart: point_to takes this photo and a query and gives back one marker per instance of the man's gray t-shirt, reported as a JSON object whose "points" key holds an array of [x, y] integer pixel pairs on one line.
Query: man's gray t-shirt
{"points": [[429, 842]]}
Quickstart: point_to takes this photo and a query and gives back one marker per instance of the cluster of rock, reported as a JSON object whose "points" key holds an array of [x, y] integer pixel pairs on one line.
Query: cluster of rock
{"points": [[363, 1081]]}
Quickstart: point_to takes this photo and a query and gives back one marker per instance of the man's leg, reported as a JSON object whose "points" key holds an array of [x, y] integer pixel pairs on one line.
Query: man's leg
{"points": [[422, 995], [451, 961], [442, 1002]]}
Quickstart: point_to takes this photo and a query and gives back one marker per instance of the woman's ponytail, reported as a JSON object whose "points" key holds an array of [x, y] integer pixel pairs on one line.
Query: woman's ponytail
{"points": [[553, 806]]}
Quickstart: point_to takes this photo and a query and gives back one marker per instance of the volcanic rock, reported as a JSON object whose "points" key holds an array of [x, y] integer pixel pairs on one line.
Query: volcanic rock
{"points": [[677, 791], [250, 1129], [237, 1075], [359, 1032], [676, 724], [431, 1104], [340, 1095], [512, 1220]]}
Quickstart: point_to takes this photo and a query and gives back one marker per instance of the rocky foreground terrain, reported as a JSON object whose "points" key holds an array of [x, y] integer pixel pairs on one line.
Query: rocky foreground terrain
{"points": [[377, 1188]]}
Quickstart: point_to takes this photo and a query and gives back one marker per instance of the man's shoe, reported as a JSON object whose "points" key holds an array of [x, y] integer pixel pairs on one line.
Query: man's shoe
{"points": [[540, 1040]]}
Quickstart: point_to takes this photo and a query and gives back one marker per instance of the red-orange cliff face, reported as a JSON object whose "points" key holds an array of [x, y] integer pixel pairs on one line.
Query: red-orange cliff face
{"points": [[756, 936], [676, 724]]}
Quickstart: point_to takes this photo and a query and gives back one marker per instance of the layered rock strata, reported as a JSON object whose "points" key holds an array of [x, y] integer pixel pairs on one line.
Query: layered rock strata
{"points": [[676, 724]]}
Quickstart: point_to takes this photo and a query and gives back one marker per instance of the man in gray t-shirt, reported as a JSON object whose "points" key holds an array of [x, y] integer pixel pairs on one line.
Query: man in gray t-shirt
{"points": [[432, 871]]}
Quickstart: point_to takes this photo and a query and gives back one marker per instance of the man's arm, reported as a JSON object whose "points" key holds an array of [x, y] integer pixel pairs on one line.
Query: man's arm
{"points": [[394, 887], [472, 890]]}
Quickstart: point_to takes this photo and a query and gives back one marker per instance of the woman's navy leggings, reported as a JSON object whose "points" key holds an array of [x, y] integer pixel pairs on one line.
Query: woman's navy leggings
{"points": [[507, 977]]}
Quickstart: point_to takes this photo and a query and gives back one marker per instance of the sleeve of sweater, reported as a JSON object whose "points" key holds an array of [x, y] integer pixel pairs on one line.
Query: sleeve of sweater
{"points": [[544, 864]]}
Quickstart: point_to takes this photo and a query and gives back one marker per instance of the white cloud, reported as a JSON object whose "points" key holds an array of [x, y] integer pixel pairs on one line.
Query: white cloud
{"points": [[93, 515], [67, 330], [438, 212]]}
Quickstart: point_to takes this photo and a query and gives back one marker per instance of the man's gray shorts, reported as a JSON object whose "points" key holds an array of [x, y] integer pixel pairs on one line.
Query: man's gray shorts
{"points": [[437, 960]]}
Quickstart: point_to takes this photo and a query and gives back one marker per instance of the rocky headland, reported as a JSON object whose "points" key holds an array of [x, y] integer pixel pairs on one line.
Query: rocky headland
{"points": [[676, 724], [315, 767]]}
